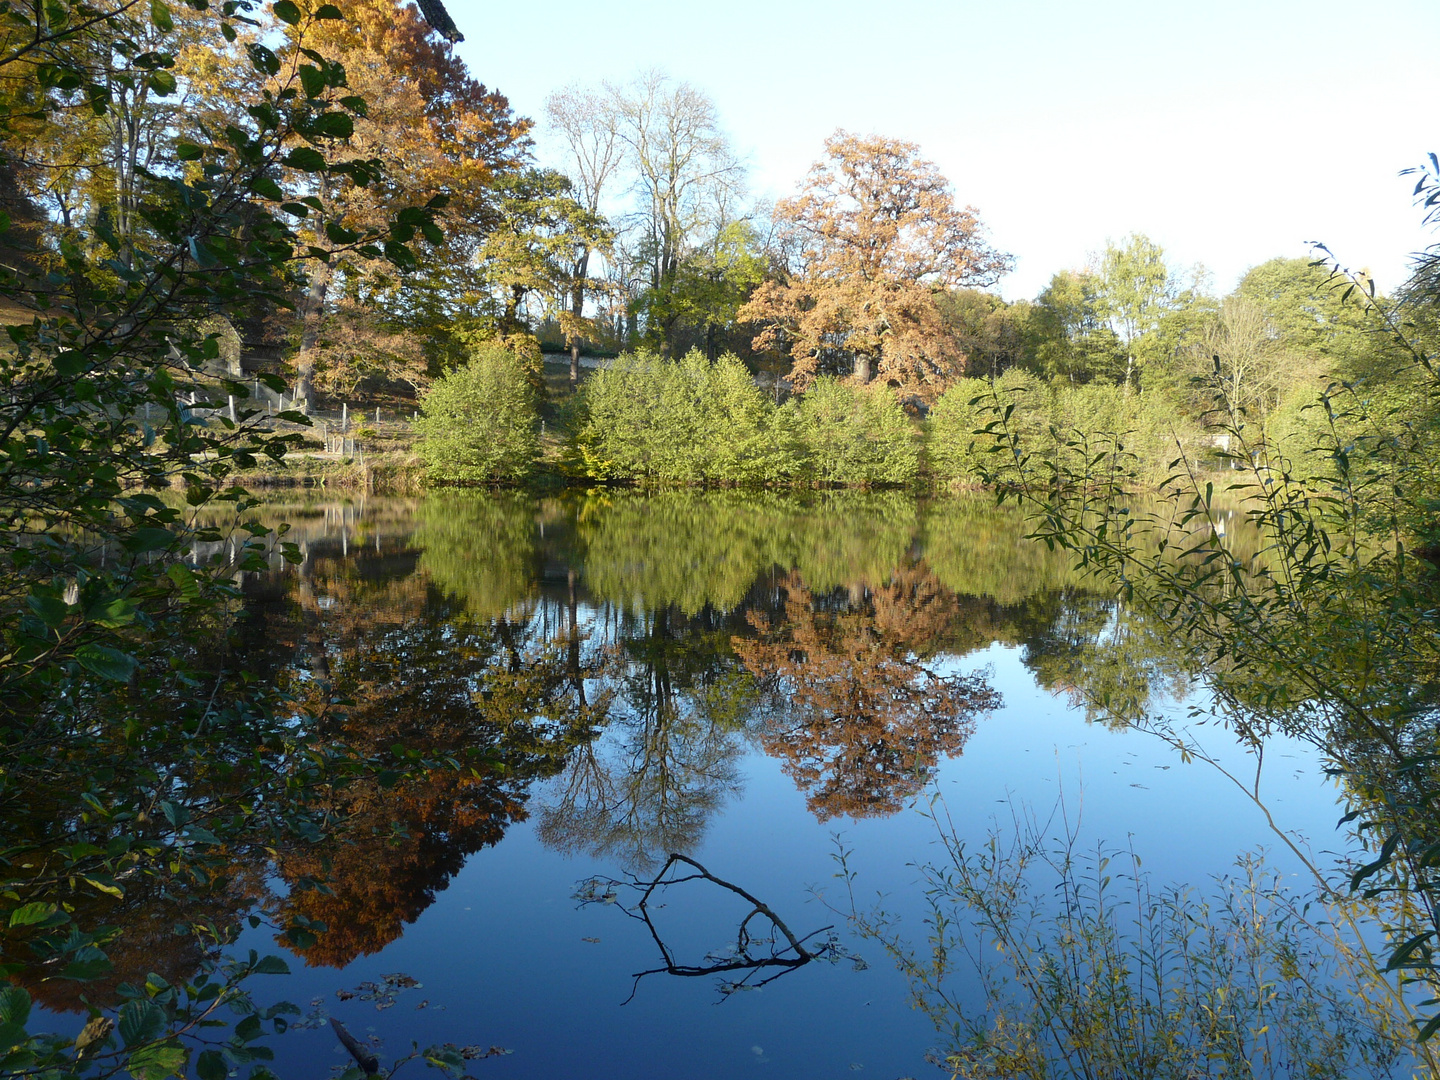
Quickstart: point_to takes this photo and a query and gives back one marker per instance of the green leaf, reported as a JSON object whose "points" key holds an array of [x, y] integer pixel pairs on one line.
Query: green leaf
{"points": [[210, 1065], [328, 11], [286, 12], [106, 662], [14, 1005], [112, 613], [141, 1021], [160, 16], [162, 82], [186, 151], [51, 609], [312, 79], [306, 159], [31, 914], [335, 125], [157, 1062], [271, 965], [185, 580], [149, 539]]}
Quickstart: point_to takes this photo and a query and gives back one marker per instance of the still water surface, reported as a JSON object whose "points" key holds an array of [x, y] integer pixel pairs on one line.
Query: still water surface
{"points": [[744, 680]]}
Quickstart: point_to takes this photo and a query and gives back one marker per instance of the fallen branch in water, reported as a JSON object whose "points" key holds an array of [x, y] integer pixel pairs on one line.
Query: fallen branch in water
{"points": [[793, 954]]}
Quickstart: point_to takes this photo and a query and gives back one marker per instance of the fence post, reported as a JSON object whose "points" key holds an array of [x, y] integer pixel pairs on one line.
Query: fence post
{"points": [[345, 416]]}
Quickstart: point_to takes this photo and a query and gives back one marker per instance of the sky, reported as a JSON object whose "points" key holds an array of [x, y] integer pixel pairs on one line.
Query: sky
{"points": [[1228, 132]]}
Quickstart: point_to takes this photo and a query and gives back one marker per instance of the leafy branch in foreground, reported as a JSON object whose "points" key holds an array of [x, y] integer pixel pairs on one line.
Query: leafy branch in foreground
{"points": [[1328, 633]]}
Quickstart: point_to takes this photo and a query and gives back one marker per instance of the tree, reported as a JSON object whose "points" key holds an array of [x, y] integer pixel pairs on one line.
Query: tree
{"points": [[1073, 339], [1251, 363], [1135, 292], [540, 239], [684, 174], [588, 123], [1303, 304], [454, 136], [710, 285], [877, 233]]}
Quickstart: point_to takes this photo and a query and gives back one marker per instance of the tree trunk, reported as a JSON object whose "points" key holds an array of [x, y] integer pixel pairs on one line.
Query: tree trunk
{"points": [[312, 314], [710, 341], [862, 369]]}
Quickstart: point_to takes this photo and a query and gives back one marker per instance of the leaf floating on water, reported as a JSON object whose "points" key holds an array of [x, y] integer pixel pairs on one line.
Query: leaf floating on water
{"points": [[858, 963], [423, 1005], [591, 940], [344, 995]]}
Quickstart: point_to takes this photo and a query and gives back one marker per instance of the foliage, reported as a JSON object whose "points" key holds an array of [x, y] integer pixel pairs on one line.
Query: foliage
{"points": [[1328, 634], [128, 741], [690, 421], [876, 230], [856, 435], [479, 424], [1087, 969]]}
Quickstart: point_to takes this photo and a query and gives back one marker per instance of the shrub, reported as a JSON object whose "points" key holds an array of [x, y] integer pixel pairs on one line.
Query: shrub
{"points": [[956, 454], [686, 421], [856, 435], [478, 422]]}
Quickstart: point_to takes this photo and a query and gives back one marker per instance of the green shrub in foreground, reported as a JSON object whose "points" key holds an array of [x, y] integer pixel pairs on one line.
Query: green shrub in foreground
{"points": [[478, 422]]}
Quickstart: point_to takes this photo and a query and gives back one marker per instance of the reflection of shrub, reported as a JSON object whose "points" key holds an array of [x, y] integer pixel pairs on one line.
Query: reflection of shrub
{"points": [[479, 549], [478, 422], [1086, 969]]}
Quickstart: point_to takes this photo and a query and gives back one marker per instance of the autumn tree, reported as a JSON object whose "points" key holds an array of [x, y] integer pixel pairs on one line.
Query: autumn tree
{"points": [[877, 233], [454, 137]]}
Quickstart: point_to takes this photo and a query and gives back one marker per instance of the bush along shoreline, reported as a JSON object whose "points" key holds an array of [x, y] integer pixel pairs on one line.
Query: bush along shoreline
{"points": [[647, 421]]}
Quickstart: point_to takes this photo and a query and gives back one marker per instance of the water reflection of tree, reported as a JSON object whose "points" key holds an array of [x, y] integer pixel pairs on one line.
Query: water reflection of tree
{"points": [[668, 760], [463, 714], [858, 717]]}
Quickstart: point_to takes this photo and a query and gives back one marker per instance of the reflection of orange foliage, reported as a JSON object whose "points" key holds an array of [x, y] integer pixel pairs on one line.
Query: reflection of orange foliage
{"points": [[863, 722], [400, 848], [477, 714]]}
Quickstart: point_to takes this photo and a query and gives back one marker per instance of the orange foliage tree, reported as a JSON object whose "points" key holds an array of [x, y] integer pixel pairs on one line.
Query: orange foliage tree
{"points": [[876, 234], [444, 133]]}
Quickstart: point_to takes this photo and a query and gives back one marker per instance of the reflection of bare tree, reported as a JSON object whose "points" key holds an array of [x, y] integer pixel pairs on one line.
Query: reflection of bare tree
{"points": [[667, 760], [768, 946], [859, 720]]}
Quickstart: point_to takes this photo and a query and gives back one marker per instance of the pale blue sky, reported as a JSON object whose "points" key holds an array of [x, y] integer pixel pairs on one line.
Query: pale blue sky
{"points": [[1228, 132]]}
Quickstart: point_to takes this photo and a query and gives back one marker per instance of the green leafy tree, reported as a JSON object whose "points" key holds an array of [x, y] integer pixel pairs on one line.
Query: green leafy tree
{"points": [[478, 423], [1135, 292], [1071, 334]]}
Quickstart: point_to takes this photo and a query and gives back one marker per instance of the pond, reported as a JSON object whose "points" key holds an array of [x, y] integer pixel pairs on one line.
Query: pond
{"points": [[754, 682]]}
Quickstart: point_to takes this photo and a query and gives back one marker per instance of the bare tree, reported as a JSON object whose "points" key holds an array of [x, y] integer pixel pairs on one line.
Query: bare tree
{"points": [[588, 123]]}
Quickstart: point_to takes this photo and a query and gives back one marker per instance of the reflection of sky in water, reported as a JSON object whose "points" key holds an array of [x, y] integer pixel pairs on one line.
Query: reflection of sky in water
{"points": [[513, 961]]}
